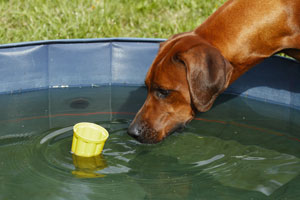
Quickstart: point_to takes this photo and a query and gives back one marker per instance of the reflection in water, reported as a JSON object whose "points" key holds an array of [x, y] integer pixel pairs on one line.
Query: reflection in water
{"points": [[87, 167]]}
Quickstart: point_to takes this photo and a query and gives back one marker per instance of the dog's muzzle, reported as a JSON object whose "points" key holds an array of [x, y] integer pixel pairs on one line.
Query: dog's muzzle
{"points": [[144, 133]]}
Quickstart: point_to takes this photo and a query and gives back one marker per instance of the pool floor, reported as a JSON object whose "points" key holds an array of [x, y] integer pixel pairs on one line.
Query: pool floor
{"points": [[240, 149]]}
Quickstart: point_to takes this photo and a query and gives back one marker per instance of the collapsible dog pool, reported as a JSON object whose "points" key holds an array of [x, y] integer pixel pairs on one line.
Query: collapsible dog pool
{"points": [[246, 147]]}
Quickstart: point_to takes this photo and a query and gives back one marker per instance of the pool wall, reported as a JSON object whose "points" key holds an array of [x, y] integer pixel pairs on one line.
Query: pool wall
{"points": [[125, 61]]}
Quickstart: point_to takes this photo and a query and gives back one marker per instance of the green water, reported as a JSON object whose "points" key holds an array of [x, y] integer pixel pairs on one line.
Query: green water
{"points": [[241, 149]]}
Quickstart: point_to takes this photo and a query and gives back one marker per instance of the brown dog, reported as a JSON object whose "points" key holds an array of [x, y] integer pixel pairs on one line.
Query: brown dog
{"points": [[192, 69]]}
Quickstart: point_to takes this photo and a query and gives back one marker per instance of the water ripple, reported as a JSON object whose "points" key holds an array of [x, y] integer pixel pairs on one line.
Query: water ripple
{"points": [[205, 162]]}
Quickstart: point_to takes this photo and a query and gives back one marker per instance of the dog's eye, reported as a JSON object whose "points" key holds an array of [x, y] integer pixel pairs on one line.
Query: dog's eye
{"points": [[161, 93]]}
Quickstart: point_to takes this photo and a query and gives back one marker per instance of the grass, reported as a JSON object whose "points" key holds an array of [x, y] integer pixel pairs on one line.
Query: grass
{"points": [[31, 20]]}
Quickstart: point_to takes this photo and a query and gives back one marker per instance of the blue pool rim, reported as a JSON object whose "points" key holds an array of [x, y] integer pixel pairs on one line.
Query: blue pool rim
{"points": [[38, 65]]}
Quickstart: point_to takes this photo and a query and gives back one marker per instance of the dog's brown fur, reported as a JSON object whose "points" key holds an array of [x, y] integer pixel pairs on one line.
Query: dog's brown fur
{"points": [[191, 69]]}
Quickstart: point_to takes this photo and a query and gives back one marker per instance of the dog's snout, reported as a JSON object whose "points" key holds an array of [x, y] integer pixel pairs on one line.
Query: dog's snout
{"points": [[133, 130], [142, 132]]}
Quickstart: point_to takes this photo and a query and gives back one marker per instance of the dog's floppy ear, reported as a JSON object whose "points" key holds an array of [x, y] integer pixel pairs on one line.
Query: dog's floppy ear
{"points": [[208, 74]]}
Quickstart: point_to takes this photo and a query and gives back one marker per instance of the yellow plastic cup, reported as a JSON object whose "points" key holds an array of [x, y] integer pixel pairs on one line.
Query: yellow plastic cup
{"points": [[88, 139]]}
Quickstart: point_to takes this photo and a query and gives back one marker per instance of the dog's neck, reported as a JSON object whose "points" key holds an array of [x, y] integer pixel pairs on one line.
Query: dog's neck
{"points": [[239, 35]]}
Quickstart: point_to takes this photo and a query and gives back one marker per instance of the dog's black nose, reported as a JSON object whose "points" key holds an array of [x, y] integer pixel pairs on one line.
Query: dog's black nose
{"points": [[133, 130]]}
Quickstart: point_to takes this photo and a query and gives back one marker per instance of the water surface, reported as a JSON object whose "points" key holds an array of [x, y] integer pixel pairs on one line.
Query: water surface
{"points": [[241, 149]]}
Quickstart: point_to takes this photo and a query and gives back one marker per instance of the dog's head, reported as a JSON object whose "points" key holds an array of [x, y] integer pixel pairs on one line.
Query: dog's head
{"points": [[186, 75]]}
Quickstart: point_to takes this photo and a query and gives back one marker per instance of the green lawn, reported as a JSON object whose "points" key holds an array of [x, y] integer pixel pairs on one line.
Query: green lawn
{"points": [[31, 20]]}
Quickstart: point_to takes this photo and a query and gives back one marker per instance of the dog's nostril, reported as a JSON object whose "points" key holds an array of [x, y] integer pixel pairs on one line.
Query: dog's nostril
{"points": [[133, 131]]}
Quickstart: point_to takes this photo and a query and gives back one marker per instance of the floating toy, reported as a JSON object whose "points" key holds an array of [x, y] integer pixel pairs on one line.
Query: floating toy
{"points": [[88, 139]]}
